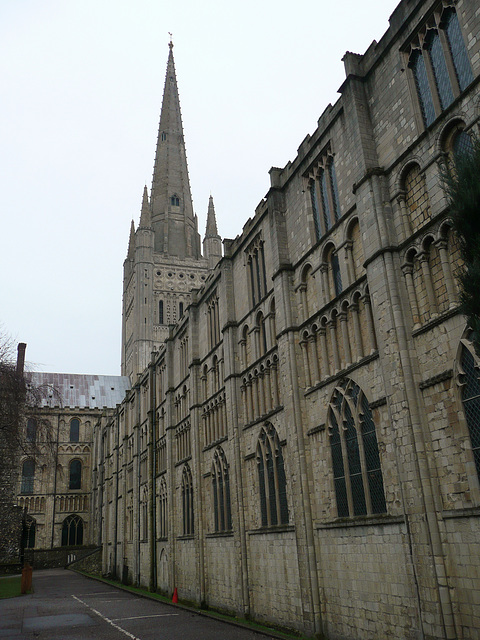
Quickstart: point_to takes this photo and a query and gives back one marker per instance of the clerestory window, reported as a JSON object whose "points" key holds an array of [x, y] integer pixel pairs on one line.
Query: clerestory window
{"points": [[439, 63]]}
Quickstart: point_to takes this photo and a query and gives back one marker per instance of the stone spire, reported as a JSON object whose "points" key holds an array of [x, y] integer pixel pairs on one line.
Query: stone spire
{"points": [[212, 243], [173, 220], [131, 243], [145, 216]]}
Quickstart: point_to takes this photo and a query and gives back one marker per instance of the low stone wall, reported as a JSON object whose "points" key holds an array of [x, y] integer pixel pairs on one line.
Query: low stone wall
{"points": [[91, 563], [56, 558]]}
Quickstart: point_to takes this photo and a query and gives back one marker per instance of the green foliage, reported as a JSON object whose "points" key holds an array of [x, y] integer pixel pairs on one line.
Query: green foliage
{"points": [[462, 183]]}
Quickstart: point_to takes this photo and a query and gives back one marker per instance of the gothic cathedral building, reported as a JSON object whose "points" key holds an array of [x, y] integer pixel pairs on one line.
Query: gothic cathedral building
{"points": [[299, 442]]}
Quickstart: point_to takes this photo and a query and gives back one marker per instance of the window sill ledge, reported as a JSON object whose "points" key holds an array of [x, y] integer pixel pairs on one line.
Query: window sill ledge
{"points": [[278, 528], [361, 521]]}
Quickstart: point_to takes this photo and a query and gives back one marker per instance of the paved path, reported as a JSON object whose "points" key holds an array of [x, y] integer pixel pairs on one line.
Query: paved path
{"points": [[68, 606]]}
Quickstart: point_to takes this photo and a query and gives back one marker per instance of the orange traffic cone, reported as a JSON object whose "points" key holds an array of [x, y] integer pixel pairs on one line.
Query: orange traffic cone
{"points": [[175, 596]]}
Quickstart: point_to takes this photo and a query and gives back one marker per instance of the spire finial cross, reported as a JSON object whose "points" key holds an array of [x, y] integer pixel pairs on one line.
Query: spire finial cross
{"points": [[170, 44]]}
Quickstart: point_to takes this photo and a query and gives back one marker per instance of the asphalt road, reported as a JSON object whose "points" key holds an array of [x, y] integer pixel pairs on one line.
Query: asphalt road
{"points": [[68, 606]]}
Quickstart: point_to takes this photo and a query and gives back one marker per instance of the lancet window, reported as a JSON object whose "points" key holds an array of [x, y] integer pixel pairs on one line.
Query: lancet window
{"points": [[271, 478], [255, 259], [187, 501], [221, 492], [439, 62], [323, 189], [357, 473]]}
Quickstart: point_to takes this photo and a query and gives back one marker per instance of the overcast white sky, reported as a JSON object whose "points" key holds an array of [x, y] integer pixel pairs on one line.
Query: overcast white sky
{"points": [[82, 84]]}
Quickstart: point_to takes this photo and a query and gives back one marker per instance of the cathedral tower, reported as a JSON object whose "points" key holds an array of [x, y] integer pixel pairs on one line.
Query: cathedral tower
{"points": [[164, 260]]}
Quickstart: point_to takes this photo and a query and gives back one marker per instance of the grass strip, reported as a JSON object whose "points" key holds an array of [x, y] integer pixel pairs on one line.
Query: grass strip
{"points": [[10, 586]]}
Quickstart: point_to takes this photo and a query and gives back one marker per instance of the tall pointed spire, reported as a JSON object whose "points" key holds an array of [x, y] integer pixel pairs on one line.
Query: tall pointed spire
{"points": [[131, 242], [211, 230], [145, 216], [212, 243], [173, 219]]}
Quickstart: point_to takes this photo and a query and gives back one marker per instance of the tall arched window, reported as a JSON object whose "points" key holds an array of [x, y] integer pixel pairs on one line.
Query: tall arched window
{"points": [[355, 458], [187, 501], [72, 531], [419, 70], [144, 515], [221, 492], [31, 430], [160, 312], [439, 67], [457, 48], [469, 379], [74, 430], [75, 475], [163, 510], [28, 476], [271, 478]]}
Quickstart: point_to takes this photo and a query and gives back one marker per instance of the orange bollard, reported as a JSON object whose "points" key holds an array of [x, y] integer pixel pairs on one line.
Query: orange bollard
{"points": [[175, 596], [26, 582]]}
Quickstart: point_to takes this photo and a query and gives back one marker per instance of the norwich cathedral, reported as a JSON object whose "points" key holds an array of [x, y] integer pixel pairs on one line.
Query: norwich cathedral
{"points": [[295, 434]]}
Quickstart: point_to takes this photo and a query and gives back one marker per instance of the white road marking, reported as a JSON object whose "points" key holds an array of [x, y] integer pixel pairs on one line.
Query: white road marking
{"points": [[95, 593], [129, 635], [156, 615]]}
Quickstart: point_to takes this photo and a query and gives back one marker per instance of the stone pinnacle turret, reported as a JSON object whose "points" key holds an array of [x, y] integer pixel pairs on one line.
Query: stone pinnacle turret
{"points": [[212, 243]]}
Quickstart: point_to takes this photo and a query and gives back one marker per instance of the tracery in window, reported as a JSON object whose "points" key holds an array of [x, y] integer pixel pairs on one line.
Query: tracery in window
{"points": [[221, 492], [187, 501], [72, 531], [469, 372], [175, 201], [439, 62], [357, 473], [271, 478]]}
